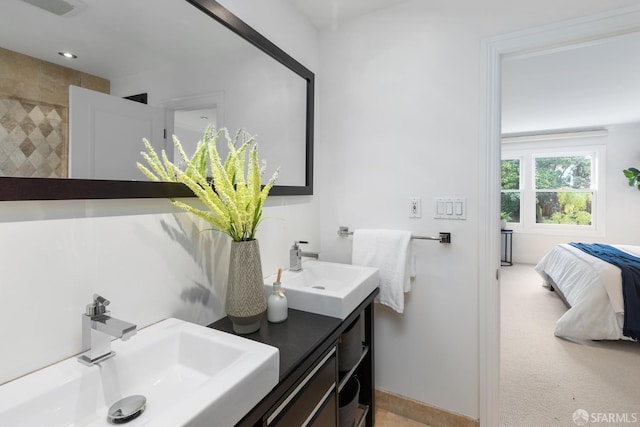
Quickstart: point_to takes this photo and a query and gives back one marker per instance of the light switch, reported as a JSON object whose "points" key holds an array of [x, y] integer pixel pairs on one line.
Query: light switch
{"points": [[458, 208], [449, 208]]}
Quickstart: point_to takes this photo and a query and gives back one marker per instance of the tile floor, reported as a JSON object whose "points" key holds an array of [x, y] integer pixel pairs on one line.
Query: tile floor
{"points": [[389, 419]]}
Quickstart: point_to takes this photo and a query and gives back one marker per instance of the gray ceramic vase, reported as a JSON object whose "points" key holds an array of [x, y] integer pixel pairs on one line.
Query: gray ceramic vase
{"points": [[245, 302]]}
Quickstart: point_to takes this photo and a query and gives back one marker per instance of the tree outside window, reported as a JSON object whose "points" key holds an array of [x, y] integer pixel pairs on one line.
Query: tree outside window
{"points": [[560, 184], [510, 190]]}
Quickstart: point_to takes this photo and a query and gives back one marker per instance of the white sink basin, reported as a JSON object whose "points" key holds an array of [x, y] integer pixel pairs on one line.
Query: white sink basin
{"points": [[189, 374], [327, 288]]}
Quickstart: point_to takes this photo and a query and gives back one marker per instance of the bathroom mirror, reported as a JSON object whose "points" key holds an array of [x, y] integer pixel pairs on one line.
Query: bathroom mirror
{"points": [[191, 58]]}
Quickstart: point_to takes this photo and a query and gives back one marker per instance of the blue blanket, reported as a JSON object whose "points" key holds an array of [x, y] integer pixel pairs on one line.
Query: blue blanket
{"points": [[630, 267]]}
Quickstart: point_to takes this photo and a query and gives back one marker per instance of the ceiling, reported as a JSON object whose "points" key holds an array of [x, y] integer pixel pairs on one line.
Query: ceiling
{"points": [[113, 38], [591, 85], [329, 13]]}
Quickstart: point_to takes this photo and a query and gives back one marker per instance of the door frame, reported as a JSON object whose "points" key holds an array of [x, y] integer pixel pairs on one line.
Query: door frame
{"points": [[207, 100], [545, 39]]}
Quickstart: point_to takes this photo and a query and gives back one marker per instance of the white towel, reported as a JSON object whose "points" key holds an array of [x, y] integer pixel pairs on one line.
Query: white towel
{"points": [[390, 252]]}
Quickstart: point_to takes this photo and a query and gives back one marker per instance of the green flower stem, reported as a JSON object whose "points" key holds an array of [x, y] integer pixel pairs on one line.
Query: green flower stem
{"points": [[233, 201]]}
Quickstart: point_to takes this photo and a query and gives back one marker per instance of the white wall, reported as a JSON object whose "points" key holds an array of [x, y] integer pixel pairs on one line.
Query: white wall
{"points": [[147, 261], [143, 255], [398, 124], [399, 118], [621, 201]]}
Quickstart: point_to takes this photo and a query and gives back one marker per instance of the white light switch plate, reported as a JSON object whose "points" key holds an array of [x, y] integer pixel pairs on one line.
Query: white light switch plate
{"points": [[449, 208]]}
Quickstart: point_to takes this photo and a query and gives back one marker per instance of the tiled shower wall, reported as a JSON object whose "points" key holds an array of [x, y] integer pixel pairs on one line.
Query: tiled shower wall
{"points": [[34, 101], [33, 139]]}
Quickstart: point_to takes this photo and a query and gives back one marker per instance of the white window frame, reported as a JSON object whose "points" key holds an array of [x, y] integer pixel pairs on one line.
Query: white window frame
{"points": [[527, 151]]}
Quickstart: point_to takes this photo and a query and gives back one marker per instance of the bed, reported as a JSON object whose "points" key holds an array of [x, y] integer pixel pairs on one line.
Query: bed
{"points": [[590, 287]]}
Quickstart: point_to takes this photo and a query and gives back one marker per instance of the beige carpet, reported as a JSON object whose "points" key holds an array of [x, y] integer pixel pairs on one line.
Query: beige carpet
{"points": [[546, 379]]}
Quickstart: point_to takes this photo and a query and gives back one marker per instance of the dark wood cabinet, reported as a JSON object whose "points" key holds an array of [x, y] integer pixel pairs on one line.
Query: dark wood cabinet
{"points": [[307, 393], [364, 368], [327, 415], [308, 399]]}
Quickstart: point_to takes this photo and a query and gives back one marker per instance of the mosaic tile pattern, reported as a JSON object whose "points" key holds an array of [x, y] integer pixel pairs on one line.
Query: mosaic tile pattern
{"points": [[33, 139]]}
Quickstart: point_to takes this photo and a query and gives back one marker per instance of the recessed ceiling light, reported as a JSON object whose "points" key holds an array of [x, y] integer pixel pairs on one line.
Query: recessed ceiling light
{"points": [[204, 117], [68, 55]]}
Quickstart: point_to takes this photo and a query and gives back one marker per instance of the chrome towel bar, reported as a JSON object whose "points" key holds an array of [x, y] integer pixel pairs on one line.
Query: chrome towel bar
{"points": [[444, 237]]}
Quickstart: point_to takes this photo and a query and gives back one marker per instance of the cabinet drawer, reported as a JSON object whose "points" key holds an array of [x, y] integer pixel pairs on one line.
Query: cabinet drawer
{"points": [[327, 415], [308, 398]]}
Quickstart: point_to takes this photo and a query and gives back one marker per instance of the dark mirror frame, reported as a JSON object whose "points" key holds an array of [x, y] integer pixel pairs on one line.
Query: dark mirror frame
{"points": [[13, 188]]}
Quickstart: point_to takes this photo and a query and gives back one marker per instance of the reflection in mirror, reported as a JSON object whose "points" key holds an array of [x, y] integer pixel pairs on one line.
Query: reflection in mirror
{"points": [[194, 72]]}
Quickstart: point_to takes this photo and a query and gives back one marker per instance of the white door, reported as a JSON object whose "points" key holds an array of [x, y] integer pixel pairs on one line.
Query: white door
{"points": [[105, 135]]}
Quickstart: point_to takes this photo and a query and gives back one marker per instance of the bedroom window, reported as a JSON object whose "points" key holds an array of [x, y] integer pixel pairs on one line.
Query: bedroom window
{"points": [[553, 186]]}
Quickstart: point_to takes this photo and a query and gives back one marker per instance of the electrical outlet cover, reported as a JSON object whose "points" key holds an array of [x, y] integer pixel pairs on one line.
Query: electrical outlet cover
{"points": [[415, 207]]}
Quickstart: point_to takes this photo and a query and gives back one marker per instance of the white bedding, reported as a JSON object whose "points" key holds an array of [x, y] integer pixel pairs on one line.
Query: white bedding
{"points": [[592, 287]]}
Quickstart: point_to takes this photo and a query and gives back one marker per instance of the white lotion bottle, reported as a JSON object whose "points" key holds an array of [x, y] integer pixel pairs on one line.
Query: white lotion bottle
{"points": [[277, 306]]}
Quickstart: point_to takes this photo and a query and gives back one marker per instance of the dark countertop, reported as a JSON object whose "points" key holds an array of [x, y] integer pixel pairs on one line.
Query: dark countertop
{"points": [[296, 337]]}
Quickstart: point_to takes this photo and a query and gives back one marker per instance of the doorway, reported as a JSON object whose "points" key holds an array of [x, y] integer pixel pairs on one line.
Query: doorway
{"points": [[561, 36], [187, 118]]}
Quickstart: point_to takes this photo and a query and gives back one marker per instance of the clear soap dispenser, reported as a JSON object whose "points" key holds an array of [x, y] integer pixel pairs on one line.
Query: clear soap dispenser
{"points": [[277, 306]]}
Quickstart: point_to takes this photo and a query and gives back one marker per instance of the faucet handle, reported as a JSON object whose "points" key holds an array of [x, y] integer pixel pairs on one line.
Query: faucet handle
{"points": [[97, 306], [97, 299], [297, 242]]}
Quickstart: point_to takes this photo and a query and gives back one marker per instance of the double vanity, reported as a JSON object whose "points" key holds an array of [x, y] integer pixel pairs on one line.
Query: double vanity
{"points": [[311, 381], [286, 374]]}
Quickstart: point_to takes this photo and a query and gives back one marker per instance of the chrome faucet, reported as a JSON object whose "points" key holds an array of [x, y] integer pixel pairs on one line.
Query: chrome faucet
{"points": [[97, 329], [295, 255]]}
